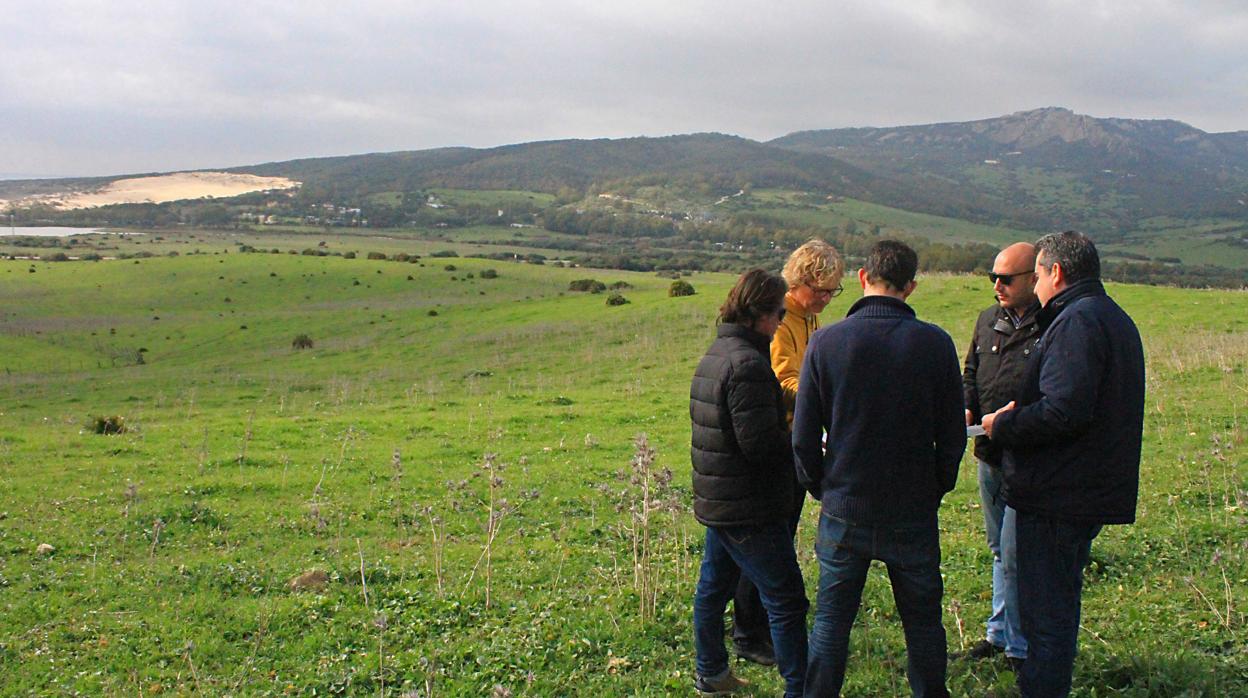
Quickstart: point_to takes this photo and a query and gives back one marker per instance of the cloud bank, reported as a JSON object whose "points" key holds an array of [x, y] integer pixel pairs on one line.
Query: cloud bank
{"points": [[109, 88]]}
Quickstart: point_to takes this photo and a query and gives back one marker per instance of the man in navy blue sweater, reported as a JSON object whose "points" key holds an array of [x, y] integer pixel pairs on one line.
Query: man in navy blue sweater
{"points": [[887, 390]]}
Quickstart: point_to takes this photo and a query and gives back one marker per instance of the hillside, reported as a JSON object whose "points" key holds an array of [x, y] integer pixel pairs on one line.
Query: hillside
{"points": [[1054, 168]]}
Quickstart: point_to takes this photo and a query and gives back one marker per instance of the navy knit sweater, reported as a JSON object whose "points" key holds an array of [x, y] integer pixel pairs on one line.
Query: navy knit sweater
{"points": [[886, 388]]}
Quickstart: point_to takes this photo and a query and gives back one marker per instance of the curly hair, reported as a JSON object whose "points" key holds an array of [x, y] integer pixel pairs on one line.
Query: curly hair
{"points": [[816, 264]]}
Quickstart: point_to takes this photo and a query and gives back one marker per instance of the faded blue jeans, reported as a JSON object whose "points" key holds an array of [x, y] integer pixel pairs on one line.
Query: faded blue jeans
{"points": [[764, 554], [912, 555], [1051, 556], [1004, 627]]}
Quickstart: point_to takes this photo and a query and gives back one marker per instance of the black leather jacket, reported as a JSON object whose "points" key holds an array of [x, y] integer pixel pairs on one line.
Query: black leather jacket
{"points": [[995, 367]]}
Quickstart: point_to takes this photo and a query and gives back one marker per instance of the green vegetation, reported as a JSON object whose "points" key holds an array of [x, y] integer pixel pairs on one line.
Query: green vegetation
{"points": [[442, 494]]}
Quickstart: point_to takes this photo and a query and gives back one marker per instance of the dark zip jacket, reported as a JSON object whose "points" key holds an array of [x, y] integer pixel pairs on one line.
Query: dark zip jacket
{"points": [[885, 387], [996, 366], [742, 460], [1072, 447]]}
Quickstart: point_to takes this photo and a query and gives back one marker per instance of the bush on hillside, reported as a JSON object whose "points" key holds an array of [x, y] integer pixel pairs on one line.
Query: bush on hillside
{"points": [[680, 288], [616, 299], [302, 341], [620, 285], [489, 274], [114, 424], [590, 285], [377, 255]]}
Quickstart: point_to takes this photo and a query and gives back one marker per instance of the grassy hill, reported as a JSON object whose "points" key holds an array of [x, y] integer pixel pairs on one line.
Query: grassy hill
{"points": [[246, 462], [1053, 168]]}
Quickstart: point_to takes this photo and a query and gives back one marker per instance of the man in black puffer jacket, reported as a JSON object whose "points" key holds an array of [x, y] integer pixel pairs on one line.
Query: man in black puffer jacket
{"points": [[1072, 450], [743, 483]]}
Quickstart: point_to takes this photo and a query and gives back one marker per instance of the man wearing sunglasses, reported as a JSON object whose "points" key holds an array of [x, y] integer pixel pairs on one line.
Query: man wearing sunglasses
{"points": [[1005, 336]]}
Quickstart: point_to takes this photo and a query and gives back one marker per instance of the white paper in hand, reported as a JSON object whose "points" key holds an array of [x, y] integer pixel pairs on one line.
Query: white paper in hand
{"points": [[975, 430]]}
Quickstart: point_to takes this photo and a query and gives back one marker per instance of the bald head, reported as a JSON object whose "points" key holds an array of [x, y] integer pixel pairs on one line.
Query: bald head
{"points": [[1017, 257], [1014, 276]]}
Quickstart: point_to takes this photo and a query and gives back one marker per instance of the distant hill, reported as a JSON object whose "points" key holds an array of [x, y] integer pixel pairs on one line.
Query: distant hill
{"points": [[1035, 170], [1054, 168], [726, 161]]}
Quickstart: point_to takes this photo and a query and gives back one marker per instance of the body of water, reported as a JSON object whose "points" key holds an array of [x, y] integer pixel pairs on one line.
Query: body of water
{"points": [[57, 232]]}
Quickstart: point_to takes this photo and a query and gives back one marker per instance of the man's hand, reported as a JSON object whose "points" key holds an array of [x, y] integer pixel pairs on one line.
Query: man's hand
{"points": [[970, 419], [989, 419]]}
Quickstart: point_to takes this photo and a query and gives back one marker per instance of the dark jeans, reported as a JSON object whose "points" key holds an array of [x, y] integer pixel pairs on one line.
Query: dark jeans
{"points": [[749, 618], [912, 555], [765, 555], [1051, 556]]}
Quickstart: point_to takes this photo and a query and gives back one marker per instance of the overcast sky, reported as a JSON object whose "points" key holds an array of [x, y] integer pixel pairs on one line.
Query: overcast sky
{"points": [[96, 88]]}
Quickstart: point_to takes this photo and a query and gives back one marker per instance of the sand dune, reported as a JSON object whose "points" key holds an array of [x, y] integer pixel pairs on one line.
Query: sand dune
{"points": [[162, 188]]}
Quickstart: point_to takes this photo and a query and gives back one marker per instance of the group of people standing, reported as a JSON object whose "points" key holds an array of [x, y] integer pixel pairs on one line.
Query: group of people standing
{"points": [[870, 416]]}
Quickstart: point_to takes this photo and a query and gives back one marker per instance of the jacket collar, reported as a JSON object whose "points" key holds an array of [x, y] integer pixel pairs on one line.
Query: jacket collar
{"points": [[793, 307], [1068, 295], [880, 306], [1030, 317], [758, 340]]}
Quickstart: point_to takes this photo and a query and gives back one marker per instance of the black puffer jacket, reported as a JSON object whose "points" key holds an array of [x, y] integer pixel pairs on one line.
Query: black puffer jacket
{"points": [[742, 459], [996, 366]]}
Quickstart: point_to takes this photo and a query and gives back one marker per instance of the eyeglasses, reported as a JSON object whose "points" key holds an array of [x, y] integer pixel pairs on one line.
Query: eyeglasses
{"points": [[1005, 279], [829, 292]]}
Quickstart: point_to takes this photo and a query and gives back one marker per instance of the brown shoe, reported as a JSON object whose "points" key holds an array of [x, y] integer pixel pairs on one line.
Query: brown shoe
{"points": [[721, 685]]}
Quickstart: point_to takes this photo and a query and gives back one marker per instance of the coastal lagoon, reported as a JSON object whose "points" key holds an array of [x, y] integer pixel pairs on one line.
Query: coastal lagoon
{"points": [[58, 232]]}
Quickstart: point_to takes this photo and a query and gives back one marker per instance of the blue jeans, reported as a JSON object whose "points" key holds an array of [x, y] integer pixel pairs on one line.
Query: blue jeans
{"points": [[749, 618], [1003, 628], [1051, 556], [912, 555], [764, 554]]}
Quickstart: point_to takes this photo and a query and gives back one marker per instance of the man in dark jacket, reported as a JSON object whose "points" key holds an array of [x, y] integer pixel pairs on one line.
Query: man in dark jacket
{"points": [[993, 373], [1072, 449], [885, 388], [743, 483]]}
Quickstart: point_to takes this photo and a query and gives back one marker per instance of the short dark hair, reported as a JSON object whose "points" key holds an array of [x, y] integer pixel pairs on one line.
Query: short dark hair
{"points": [[756, 294], [1074, 251], [892, 262]]}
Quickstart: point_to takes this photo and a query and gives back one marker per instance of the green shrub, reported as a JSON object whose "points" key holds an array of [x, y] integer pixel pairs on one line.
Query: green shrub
{"points": [[590, 285], [376, 255], [680, 288], [302, 341], [616, 299], [114, 424], [489, 274]]}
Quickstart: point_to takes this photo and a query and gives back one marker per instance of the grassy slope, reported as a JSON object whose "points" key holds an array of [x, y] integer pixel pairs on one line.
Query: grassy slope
{"points": [[261, 462]]}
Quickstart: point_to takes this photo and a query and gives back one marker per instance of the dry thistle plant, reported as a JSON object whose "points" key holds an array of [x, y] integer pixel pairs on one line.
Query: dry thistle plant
{"points": [[242, 451], [650, 492], [437, 530]]}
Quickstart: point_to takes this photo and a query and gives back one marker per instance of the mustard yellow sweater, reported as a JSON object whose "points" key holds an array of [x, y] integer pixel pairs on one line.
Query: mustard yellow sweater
{"points": [[789, 346]]}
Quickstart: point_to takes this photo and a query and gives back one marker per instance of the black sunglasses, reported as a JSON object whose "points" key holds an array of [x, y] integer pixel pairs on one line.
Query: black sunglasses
{"points": [[1005, 279]]}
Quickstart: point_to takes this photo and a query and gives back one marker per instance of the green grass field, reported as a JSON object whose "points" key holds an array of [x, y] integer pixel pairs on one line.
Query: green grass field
{"points": [[246, 463]]}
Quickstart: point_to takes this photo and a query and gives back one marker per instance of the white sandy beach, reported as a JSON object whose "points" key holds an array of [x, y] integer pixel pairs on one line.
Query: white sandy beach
{"points": [[159, 189]]}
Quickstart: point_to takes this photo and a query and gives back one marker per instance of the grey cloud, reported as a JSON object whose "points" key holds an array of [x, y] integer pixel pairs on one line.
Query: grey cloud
{"points": [[101, 88]]}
